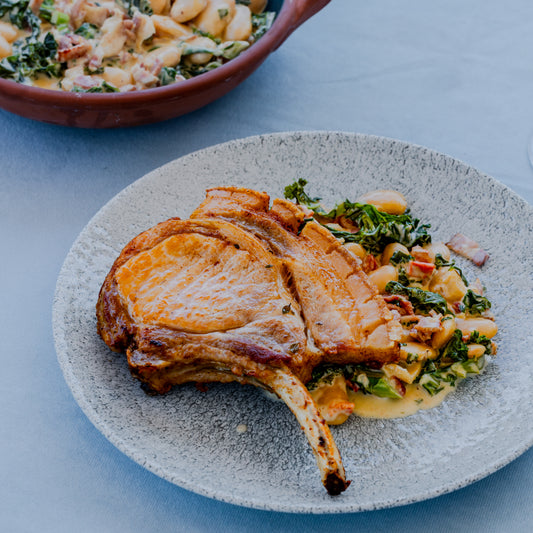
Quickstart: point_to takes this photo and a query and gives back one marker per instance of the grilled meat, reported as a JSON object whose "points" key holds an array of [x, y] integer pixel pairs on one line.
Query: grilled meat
{"points": [[245, 292]]}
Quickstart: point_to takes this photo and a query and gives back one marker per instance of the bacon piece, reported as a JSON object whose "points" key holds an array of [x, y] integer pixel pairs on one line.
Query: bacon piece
{"points": [[86, 82], [71, 46], [420, 254], [420, 269], [369, 263], [397, 301], [466, 247], [425, 327]]}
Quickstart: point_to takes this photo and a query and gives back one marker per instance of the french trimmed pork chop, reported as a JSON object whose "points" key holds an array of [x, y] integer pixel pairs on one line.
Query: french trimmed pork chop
{"points": [[248, 292]]}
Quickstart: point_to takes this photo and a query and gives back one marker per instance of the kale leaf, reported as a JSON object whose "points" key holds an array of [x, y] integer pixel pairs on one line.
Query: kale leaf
{"points": [[31, 57], [423, 301], [376, 228], [474, 303], [261, 23], [20, 15]]}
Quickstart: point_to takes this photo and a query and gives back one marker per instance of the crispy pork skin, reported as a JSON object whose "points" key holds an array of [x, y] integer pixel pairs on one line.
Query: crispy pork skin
{"points": [[248, 292]]}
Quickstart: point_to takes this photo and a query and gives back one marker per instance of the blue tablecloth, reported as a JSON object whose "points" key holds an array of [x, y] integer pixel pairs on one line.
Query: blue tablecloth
{"points": [[454, 76]]}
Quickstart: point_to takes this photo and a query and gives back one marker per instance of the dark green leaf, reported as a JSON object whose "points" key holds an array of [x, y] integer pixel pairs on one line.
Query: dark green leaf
{"points": [[423, 301], [474, 303]]}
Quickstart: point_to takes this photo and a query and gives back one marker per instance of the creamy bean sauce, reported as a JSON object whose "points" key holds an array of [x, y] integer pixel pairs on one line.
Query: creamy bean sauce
{"points": [[442, 322], [416, 399], [123, 45]]}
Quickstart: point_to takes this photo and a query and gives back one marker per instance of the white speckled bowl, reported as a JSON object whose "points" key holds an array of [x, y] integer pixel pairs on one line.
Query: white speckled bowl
{"points": [[190, 438]]}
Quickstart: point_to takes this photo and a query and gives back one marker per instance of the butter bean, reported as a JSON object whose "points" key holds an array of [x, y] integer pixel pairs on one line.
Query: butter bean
{"points": [[448, 283], [5, 47], [166, 27], [438, 248], [416, 351], [215, 17], [381, 276], [185, 10], [240, 26], [355, 249], [117, 76], [8, 31], [441, 337], [391, 249], [159, 6], [391, 202], [482, 325]]}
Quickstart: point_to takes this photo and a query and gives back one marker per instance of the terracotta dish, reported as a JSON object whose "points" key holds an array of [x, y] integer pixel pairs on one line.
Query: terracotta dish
{"points": [[113, 110]]}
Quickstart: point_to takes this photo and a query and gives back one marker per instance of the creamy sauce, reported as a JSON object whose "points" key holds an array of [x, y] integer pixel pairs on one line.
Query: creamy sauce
{"points": [[416, 399], [109, 46], [45, 83]]}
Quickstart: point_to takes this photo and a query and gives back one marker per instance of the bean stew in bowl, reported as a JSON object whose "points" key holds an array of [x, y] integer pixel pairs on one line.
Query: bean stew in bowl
{"points": [[127, 62]]}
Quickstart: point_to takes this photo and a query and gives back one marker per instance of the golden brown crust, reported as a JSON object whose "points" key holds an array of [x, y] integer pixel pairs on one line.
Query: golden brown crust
{"points": [[241, 292]]}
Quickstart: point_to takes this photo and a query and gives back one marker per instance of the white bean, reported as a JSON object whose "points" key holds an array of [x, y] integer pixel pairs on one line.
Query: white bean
{"points": [[185, 10], [5, 47], [117, 76], [258, 6], [482, 325], [391, 202], [391, 249], [166, 27], [381, 276], [437, 248], [475, 351], [8, 31], [407, 375], [215, 17], [201, 58], [355, 249], [441, 337], [159, 6], [416, 351], [240, 26], [448, 283], [168, 56]]}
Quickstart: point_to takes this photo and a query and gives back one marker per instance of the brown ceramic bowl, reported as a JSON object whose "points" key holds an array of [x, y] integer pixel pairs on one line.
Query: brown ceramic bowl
{"points": [[114, 110]]}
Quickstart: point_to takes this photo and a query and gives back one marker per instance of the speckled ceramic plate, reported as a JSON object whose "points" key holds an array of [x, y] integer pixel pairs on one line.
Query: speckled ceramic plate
{"points": [[190, 438]]}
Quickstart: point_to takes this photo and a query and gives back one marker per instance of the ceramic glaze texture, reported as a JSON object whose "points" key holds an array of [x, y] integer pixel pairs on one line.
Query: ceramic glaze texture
{"points": [[190, 438]]}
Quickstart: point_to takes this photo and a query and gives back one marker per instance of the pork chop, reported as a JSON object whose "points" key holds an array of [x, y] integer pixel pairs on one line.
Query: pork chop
{"points": [[250, 293]]}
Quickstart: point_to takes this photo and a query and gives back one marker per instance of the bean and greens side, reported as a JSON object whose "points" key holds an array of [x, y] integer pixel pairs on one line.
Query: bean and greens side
{"points": [[123, 45], [446, 323]]}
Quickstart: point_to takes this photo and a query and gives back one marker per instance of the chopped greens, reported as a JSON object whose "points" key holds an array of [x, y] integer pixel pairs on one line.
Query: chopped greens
{"points": [[20, 15], [376, 228], [399, 257], [131, 6], [423, 301], [453, 363], [324, 374], [261, 23], [296, 191], [167, 75], [474, 303], [87, 30], [103, 88], [31, 57]]}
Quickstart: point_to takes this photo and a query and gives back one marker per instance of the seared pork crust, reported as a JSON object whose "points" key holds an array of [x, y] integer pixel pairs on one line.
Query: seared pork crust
{"points": [[248, 293]]}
